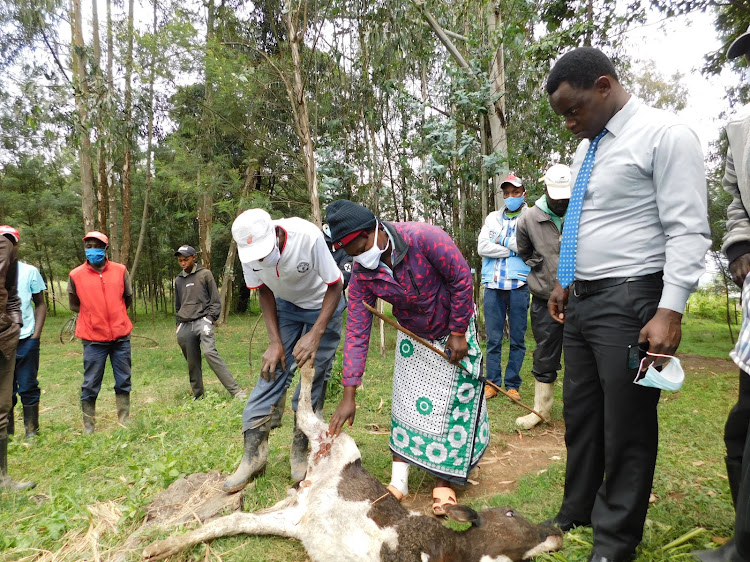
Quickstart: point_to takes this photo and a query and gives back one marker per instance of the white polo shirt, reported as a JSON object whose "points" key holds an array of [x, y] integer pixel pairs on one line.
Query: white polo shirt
{"points": [[305, 269]]}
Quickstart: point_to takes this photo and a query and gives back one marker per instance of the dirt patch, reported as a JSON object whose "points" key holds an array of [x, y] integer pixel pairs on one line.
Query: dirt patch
{"points": [[714, 365], [499, 470]]}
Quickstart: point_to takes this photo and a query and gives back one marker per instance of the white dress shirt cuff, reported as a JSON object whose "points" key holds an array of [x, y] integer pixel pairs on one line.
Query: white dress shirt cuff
{"points": [[674, 297]]}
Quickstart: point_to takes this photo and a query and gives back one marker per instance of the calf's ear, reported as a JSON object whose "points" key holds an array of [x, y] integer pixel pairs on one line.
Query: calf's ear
{"points": [[462, 514]]}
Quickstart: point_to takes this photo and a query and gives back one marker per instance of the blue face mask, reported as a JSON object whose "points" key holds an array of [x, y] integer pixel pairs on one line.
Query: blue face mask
{"points": [[95, 255], [514, 203]]}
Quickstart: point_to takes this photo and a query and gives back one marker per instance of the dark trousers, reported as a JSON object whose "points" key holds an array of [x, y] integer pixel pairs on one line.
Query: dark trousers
{"points": [[611, 426], [548, 336], [6, 391], [737, 440], [294, 322], [25, 382], [95, 358], [198, 337]]}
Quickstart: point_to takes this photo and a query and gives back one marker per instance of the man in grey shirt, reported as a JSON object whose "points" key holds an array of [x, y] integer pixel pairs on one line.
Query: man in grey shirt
{"points": [[198, 306], [641, 240]]}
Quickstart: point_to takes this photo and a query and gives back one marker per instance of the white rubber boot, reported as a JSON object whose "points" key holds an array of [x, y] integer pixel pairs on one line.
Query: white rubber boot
{"points": [[544, 396]]}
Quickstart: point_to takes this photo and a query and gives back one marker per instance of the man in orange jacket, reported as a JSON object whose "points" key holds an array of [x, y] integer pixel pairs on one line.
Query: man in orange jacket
{"points": [[100, 291]]}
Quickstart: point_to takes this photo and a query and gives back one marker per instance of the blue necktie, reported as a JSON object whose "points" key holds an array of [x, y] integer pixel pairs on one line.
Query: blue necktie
{"points": [[566, 269]]}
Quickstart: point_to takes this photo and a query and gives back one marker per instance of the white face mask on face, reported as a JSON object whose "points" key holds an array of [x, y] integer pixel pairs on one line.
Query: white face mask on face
{"points": [[369, 259], [271, 260]]}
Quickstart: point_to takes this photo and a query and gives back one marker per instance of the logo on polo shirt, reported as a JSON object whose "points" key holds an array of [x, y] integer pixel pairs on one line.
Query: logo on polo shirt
{"points": [[303, 266]]}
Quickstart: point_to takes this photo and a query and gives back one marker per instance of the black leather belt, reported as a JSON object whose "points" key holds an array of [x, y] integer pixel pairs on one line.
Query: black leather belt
{"points": [[584, 288]]}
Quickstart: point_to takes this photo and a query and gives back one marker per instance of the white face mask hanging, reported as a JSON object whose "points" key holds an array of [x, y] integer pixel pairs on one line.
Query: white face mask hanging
{"points": [[670, 377], [370, 258]]}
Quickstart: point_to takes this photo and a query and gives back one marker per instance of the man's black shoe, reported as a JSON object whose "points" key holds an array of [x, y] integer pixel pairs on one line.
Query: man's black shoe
{"points": [[565, 524]]}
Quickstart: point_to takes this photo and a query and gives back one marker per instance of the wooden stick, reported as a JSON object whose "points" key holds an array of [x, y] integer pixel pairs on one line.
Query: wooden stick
{"points": [[442, 353]]}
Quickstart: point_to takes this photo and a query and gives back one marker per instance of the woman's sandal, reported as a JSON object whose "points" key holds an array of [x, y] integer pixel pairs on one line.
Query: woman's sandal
{"points": [[442, 496], [395, 492]]}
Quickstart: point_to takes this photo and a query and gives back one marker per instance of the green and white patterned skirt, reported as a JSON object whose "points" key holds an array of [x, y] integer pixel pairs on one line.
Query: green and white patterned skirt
{"points": [[439, 416]]}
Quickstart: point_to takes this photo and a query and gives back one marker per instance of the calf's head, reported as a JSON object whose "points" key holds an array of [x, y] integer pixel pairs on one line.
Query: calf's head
{"points": [[502, 532]]}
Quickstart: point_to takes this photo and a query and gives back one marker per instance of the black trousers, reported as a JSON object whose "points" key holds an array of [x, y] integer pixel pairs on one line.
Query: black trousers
{"points": [[737, 440], [611, 425], [548, 335]]}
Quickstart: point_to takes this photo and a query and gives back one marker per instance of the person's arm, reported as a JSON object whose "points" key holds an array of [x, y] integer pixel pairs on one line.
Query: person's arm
{"points": [[356, 345], [307, 345], [74, 303], [214, 303], [524, 245], [40, 314], [274, 354], [736, 244], [127, 293], [488, 244], [682, 202]]}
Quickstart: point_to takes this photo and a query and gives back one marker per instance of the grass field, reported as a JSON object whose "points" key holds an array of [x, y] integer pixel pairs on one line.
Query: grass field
{"points": [[119, 470]]}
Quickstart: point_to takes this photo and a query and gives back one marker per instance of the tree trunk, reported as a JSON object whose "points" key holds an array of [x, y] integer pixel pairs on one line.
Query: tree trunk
{"points": [[205, 222], [149, 151], [81, 94], [101, 128], [225, 293], [300, 112], [127, 167], [495, 111], [498, 127]]}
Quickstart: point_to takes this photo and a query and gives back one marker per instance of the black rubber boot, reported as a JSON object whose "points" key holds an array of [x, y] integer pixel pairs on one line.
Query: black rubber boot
{"points": [[31, 420], [88, 407], [123, 408], [6, 483], [298, 453], [253, 460]]}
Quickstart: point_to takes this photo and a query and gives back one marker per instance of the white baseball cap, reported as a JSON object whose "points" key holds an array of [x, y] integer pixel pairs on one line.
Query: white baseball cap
{"points": [[557, 180], [254, 233]]}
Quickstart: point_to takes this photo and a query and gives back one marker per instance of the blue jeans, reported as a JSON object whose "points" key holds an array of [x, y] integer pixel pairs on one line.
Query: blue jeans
{"points": [[95, 358], [294, 322], [25, 383], [499, 304]]}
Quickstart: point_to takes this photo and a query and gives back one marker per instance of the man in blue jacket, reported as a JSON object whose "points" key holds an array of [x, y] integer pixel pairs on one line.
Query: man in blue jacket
{"points": [[506, 293]]}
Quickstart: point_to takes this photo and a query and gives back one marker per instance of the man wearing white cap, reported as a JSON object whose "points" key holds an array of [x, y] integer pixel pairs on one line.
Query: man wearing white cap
{"points": [[736, 247], [100, 292], [538, 239], [300, 293], [197, 307]]}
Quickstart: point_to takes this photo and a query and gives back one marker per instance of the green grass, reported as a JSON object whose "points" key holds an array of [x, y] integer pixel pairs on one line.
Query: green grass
{"points": [[172, 436]]}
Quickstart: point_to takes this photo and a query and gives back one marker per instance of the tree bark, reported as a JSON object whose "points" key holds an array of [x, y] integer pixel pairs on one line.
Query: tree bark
{"points": [[127, 166], [498, 127], [300, 112], [81, 95], [149, 152], [495, 111], [225, 293]]}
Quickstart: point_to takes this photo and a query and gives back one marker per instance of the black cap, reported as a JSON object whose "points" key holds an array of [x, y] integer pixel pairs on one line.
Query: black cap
{"points": [[740, 46], [344, 217], [185, 251]]}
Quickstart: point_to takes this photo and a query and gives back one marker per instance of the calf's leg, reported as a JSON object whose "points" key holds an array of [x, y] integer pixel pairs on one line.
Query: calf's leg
{"points": [[280, 523]]}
